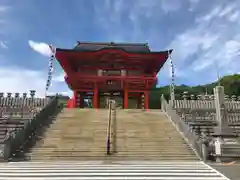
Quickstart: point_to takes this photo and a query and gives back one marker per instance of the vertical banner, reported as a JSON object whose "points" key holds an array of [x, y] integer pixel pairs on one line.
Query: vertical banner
{"points": [[50, 68], [172, 86]]}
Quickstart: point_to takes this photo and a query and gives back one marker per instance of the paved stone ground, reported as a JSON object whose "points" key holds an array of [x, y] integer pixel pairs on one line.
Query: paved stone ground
{"points": [[232, 171]]}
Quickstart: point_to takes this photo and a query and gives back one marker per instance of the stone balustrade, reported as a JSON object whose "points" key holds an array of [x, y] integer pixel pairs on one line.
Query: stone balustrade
{"points": [[20, 105], [215, 118]]}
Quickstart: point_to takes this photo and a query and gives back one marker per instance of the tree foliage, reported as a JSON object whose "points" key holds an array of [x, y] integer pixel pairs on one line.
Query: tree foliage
{"points": [[231, 85]]}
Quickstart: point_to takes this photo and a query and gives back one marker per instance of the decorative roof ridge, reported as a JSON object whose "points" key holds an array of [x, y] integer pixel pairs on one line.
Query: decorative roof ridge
{"points": [[111, 43]]}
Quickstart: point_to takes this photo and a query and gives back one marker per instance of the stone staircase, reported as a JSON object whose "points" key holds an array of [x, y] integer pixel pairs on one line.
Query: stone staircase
{"points": [[77, 134], [150, 136], [81, 134]]}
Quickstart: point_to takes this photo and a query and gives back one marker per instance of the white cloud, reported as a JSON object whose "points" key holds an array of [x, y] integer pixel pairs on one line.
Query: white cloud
{"points": [[40, 47], [193, 4], [170, 5], [65, 93], [194, 1], [192, 41], [221, 11], [3, 16], [213, 41], [59, 78], [3, 45], [227, 10], [234, 17], [213, 13], [15, 79], [3, 8]]}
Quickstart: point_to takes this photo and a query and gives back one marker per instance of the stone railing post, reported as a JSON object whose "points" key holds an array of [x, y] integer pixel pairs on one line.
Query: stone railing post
{"points": [[220, 109], [2, 102], [9, 98], [222, 129], [162, 103]]}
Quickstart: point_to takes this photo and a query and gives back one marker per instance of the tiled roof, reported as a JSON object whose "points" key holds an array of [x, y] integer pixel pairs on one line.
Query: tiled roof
{"points": [[128, 47]]}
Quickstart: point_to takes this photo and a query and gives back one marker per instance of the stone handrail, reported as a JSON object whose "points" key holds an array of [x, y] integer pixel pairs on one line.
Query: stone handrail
{"points": [[198, 144]]}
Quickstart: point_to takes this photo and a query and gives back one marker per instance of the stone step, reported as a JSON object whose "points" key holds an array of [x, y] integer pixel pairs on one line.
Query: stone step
{"points": [[103, 153], [40, 150], [112, 158], [120, 146], [119, 151], [82, 134]]}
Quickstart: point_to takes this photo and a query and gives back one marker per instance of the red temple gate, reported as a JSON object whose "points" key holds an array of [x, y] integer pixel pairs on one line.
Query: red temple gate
{"points": [[94, 69]]}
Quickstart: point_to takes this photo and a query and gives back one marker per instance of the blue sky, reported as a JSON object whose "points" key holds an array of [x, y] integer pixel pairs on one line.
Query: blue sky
{"points": [[202, 33]]}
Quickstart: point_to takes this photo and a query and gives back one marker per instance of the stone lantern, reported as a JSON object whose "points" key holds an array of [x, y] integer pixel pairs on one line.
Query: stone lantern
{"points": [[32, 93], [9, 95], [185, 95], [192, 97], [17, 95], [24, 95]]}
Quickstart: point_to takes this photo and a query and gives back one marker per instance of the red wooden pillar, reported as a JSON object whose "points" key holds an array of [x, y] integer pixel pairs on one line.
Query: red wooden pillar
{"points": [[146, 99], [95, 98], [125, 99]]}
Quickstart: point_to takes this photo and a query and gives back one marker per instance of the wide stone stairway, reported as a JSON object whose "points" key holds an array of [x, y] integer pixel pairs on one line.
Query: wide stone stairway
{"points": [[82, 135], [74, 147]]}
